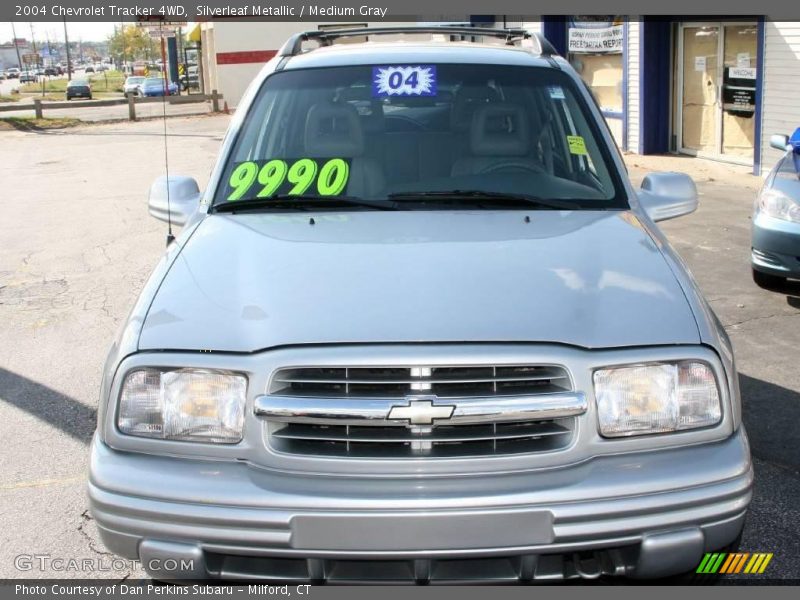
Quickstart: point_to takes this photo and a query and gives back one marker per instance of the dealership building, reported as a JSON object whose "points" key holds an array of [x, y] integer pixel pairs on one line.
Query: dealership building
{"points": [[714, 89]]}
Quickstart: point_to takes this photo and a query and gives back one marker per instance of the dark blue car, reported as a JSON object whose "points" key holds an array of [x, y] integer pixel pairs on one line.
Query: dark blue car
{"points": [[154, 86], [776, 218]]}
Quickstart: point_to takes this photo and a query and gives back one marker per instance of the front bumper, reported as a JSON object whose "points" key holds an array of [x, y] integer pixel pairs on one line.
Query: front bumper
{"points": [[775, 246], [231, 519]]}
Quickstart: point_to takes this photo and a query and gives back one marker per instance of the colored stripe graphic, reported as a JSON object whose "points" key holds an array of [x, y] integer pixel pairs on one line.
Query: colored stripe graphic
{"points": [[727, 564], [734, 562], [701, 568], [765, 563], [724, 563], [759, 562], [740, 563], [711, 563]]}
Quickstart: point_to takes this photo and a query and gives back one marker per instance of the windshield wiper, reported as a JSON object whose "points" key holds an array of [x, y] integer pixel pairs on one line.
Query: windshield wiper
{"points": [[301, 202], [478, 197]]}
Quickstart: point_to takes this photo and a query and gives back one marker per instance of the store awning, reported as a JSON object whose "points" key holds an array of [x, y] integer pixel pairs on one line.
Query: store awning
{"points": [[193, 35]]}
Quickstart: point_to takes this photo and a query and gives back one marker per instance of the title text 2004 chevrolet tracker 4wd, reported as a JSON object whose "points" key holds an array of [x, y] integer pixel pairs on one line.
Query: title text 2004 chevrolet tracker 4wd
{"points": [[420, 327]]}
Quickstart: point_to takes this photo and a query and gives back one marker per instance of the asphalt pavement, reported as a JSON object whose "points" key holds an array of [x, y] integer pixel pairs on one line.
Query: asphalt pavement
{"points": [[77, 245]]}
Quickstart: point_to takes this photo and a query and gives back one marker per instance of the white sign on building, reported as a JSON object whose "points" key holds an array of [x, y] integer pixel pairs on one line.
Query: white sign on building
{"points": [[594, 40]]}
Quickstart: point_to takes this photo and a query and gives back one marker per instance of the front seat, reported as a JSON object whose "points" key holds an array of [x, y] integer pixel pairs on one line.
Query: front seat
{"points": [[500, 140], [333, 130]]}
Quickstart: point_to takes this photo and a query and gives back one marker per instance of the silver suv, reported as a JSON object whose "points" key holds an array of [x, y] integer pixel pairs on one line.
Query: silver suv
{"points": [[420, 327]]}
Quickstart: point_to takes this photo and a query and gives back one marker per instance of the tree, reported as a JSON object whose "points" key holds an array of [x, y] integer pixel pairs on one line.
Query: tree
{"points": [[131, 43]]}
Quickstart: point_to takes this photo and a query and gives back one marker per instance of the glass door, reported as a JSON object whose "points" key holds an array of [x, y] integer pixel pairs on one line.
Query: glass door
{"points": [[700, 102], [717, 88], [739, 91]]}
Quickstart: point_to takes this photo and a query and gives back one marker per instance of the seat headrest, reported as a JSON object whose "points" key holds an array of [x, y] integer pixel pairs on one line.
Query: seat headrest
{"points": [[500, 129], [369, 109], [333, 130], [465, 102]]}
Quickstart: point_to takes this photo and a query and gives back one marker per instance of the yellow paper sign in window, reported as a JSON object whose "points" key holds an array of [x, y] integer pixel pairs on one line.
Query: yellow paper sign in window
{"points": [[577, 145]]}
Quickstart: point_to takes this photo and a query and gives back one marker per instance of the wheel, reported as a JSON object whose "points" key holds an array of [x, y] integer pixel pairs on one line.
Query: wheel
{"points": [[765, 280]]}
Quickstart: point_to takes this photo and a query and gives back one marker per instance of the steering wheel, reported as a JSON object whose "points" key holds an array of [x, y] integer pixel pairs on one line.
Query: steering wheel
{"points": [[510, 165]]}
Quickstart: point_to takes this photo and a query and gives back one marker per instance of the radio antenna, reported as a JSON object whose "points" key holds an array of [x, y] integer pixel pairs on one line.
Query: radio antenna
{"points": [[170, 237]]}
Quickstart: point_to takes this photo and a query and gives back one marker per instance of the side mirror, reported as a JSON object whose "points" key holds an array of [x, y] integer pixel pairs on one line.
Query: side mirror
{"points": [[184, 199], [779, 142], [668, 195]]}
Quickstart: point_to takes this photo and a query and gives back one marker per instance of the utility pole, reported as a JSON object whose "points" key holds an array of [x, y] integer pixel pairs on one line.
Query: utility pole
{"points": [[66, 45], [124, 43], [16, 46], [49, 52], [33, 38]]}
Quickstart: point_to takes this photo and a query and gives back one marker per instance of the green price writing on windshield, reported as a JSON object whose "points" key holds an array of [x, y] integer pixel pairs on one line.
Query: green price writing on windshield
{"points": [[292, 177]]}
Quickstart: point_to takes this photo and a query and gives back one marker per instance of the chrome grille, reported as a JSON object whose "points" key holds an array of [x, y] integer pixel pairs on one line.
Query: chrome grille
{"points": [[399, 382], [470, 410], [440, 441]]}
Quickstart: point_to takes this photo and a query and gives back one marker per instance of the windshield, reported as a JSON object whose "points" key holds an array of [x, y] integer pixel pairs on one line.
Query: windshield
{"points": [[134, 80], [430, 134]]}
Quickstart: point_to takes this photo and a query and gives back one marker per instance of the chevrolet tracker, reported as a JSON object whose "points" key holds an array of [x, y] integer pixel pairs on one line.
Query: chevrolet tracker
{"points": [[420, 327]]}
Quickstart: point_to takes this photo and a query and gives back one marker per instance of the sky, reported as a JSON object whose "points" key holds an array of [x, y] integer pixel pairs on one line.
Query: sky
{"points": [[84, 31]]}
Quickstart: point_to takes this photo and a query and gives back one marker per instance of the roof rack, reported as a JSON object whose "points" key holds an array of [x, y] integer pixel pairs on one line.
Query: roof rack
{"points": [[294, 45]]}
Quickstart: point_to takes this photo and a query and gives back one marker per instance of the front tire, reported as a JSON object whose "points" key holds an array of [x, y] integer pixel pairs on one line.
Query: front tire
{"points": [[767, 281]]}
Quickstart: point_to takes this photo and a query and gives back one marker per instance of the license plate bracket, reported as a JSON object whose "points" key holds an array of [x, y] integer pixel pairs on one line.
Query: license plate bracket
{"points": [[422, 531]]}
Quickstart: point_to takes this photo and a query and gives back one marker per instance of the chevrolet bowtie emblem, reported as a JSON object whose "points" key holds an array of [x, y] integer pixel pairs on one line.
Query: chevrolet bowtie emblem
{"points": [[421, 412]]}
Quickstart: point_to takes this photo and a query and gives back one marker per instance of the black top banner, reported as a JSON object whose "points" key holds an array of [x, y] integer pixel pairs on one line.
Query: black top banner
{"points": [[374, 10]]}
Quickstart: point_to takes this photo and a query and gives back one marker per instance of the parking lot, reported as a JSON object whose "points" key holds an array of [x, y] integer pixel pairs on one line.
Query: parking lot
{"points": [[92, 113], [77, 245]]}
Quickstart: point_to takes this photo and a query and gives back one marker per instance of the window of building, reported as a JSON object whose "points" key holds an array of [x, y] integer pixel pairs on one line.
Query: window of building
{"points": [[594, 45]]}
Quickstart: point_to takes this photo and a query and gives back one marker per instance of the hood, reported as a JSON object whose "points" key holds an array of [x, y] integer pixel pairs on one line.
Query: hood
{"points": [[252, 281]]}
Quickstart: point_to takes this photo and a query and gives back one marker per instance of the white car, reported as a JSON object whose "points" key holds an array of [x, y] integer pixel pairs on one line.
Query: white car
{"points": [[132, 84]]}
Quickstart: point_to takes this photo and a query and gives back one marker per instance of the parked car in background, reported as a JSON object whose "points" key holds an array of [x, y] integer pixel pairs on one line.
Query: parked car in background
{"points": [[88, 69], [78, 88], [28, 77], [2, 75], [131, 85], [13, 73], [154, 86], [775, 254], [51, 71], [451, 345]]}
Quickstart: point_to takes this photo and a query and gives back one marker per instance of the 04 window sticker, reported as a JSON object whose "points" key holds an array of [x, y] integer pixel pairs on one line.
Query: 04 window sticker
{"points": [[290, 177], [404, 80]]}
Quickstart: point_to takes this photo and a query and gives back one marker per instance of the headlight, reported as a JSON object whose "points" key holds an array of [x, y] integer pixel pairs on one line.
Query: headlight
{"points": [[184, 404], [656, 398], [778, 205]]}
